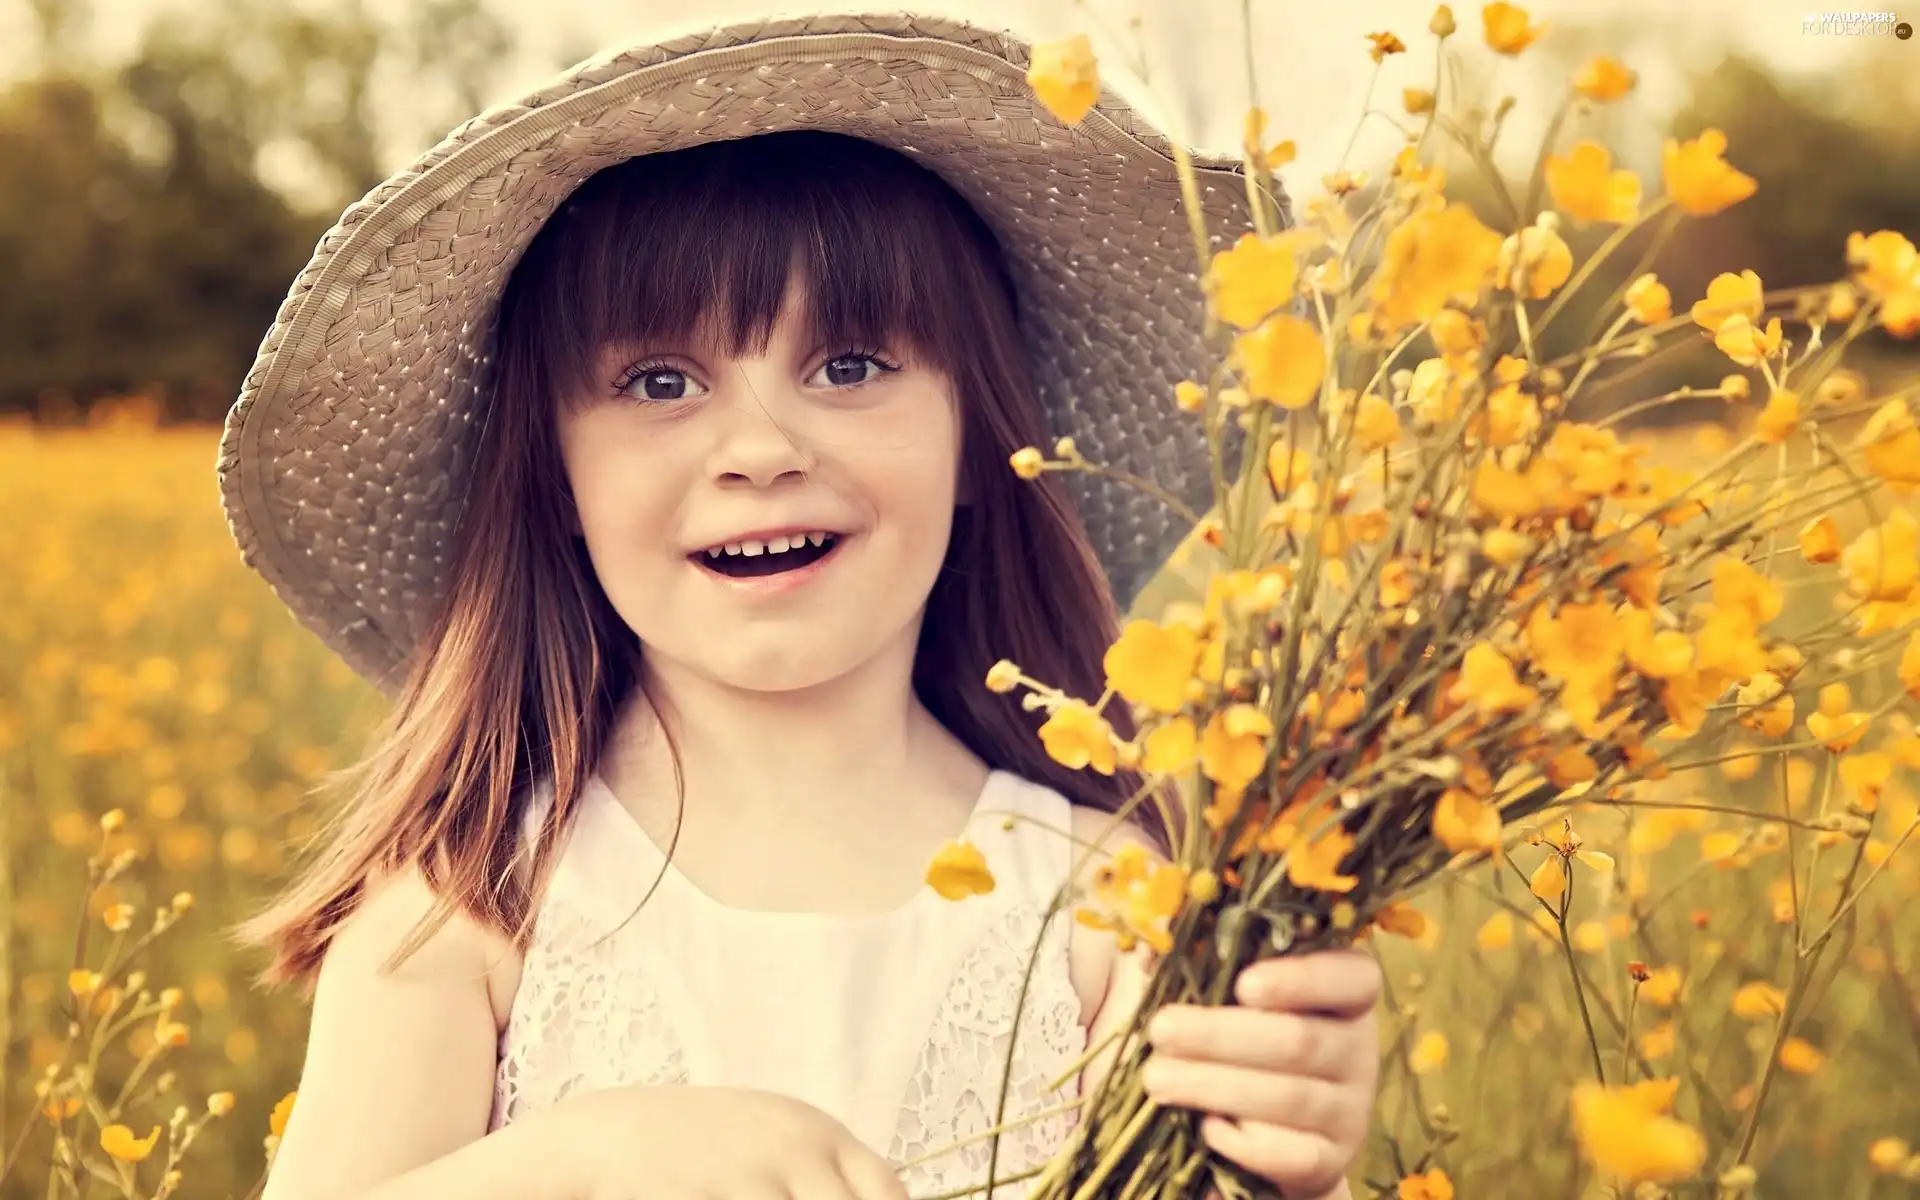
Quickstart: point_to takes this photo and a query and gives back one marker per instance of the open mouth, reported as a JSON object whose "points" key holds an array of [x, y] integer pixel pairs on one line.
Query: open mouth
{"points": [[746, 560]]}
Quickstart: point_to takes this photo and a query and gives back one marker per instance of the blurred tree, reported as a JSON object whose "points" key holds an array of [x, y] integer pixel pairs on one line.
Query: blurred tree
{"points": [[144, 242]]}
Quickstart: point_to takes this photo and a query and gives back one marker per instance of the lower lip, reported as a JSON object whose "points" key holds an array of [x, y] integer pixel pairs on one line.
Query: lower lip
{"points": [[785, 581]]}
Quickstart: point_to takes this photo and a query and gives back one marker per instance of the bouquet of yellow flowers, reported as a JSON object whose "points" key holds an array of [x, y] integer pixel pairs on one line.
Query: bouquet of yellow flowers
{"points": [[1440, 615]]}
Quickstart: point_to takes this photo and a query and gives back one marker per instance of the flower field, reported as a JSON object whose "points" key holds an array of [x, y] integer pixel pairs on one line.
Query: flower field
{"points": [[144, 670]]}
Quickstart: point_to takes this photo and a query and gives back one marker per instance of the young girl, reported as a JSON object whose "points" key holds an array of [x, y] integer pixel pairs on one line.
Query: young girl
{"points": [[648, 444]]}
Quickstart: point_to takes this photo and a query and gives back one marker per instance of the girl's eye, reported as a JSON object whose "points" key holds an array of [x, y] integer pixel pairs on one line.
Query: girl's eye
{"points": [[854, 367], [657, 382]]}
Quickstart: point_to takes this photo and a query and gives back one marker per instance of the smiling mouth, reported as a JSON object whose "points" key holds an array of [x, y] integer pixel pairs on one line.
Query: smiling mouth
{"points": [[751, 559]]}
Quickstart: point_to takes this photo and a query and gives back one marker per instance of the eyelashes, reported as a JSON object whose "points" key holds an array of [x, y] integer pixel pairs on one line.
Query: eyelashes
{"points": [[660, 366]]}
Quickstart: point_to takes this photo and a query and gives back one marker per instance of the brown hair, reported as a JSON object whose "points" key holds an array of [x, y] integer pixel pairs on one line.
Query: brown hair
{"points": [[521, 669]]}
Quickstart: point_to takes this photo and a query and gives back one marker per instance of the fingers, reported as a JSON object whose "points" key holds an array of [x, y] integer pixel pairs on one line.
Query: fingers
{"points": [[1318, 1047], [1306, 1163], [1295, 1101], [869, 1176], [1343, 983]]}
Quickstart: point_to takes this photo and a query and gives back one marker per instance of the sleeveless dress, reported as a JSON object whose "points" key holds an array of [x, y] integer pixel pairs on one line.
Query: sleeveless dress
{"points": [[895, 1023]]}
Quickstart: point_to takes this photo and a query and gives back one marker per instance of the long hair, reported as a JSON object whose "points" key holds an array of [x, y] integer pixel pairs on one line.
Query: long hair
{"points": [[521, 669]]}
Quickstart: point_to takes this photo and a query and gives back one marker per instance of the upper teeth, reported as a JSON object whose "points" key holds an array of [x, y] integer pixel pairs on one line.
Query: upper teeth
{"points": [[778, 545]]}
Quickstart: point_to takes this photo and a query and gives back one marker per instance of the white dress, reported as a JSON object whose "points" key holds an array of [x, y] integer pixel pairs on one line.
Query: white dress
{"points": [[895, 1023]]}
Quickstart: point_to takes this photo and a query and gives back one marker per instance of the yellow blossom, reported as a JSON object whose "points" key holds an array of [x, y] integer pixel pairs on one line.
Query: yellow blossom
{"points": [[1727, 296], [1233, 750], [1283, 361], [1891, 440], [1255, 278], [1604, 80], [1754, 1000], [1171, 748], [1659, 655], [1442, 253], [1066, 77], [1800, 1056], [1740, 340], [1463, 822], [1820, 540], [281, 1114], [1699, 181], [220, 1103], [1441, 25], [1429, 1053], [1431, 1184], [1417, 101], [1883, 563], [959, 870], [1549, 879], [1152, 665], [1375, 425], [1625, 1133], [1780, 417], [1316, 864], [1534, 262], [1659, 1041], [1585, 186], [1076, 737], [118, 1141], [1487, 680], [1649, 300], [1909, 670], [1661, 987], [1507, 27], [1838, 734], [1866, 774], [1504, 547], [1401, 919], [1383, 44], [1027, 462], [1496, 933], [1888, 1154], [1884, 262], [1501, 493]]}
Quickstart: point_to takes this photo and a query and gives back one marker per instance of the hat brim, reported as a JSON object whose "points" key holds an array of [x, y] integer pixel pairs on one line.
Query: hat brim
{"points": [[344, 461]]}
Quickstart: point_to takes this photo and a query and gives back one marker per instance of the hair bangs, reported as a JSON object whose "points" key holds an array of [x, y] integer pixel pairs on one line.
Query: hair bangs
{"points": [[882, 252]]}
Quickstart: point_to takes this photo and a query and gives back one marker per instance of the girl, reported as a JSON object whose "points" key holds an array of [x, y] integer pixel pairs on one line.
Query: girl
{"points": [[648, 443]]}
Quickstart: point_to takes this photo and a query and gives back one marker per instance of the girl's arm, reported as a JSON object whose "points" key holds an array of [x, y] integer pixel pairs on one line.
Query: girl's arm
{"points": [[397, 1087]]}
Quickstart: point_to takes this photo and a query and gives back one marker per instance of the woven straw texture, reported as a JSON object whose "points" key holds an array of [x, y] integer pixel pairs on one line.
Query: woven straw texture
{"points": [[345, 458]]}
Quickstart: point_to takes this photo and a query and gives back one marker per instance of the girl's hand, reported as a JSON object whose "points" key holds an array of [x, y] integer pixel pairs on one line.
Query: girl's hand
{"points": [[1288, 1075], [682, 1143]]}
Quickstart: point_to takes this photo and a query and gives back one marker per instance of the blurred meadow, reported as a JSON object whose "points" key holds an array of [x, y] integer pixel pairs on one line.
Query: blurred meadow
{"points": [[147, 232]]}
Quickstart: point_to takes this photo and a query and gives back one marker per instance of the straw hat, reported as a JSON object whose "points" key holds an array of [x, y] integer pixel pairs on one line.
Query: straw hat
{"points": [[344, 460]]}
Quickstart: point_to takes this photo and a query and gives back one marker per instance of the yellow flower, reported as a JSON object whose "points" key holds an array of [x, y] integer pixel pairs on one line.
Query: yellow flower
{"points": [[1463, 822], [118, 1141], [1888, 1154], [1699, 180], [1585, 186], [1076, 737], [1884, 562], [1579, 641], [1152, 665], [1741, 341], [1781, 416], [1820, 540], [1909, 670], [1255, 278], [1661, 655], [282, 1113], [1375, 425], [1316, 864], [1188, 396], [1659, 1041], [1429, 1054], [1496, 933], [1402, 919], [1487, 680], [1429, 1185], [1883, 263], [220, 1103], [1003, 676], [1441, 25], [1066, 77], [1383, 44], [1649, 300], [1396, 585], [1866, 774], [1504, 547], [83, 983], [1549, 881], [1172, 748], [1730, 295], [1755, 1000], [171, 1033], [959, 870], [1282, 361], [1417, 101], [1604, 80], [1892, 442], [1738, 588], [1441, 253], [118, 917], [1533, 262], [1507, 28], [1838, 734], [1234, 747], [1501, 493], [1662, 986], [1626, 1134], [1027, 462], [1800, 1056]]}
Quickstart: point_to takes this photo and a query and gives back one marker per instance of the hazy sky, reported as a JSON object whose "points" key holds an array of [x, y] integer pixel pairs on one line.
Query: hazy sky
{"points": [[1313, 61]]}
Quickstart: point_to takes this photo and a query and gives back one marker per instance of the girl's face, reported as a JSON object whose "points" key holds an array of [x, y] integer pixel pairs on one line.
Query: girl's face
{"points": [[769, 522]]}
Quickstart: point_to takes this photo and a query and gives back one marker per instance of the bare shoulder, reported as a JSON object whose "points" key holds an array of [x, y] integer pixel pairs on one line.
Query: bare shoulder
{"points": [[459, 950]]}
